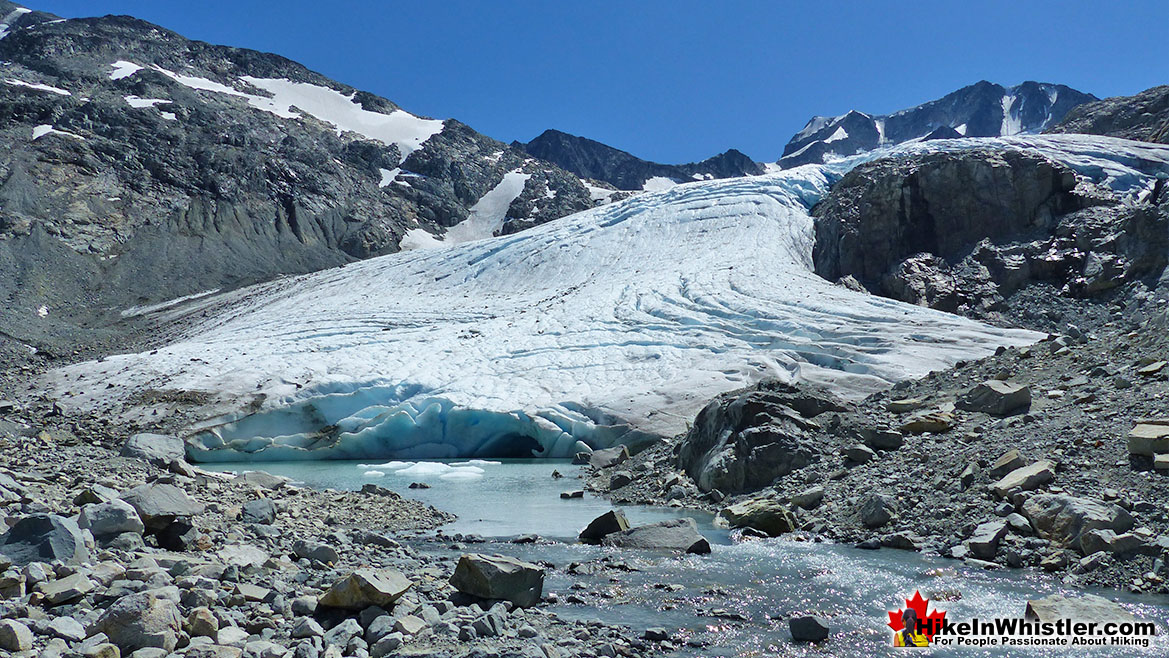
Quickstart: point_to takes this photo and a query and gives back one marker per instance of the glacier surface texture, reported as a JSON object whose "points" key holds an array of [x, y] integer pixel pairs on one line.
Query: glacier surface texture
{"points": [[612, 325]]}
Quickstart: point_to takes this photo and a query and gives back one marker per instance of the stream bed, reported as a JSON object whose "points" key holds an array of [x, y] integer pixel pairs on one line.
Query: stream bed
{"points": [[732, 602]]}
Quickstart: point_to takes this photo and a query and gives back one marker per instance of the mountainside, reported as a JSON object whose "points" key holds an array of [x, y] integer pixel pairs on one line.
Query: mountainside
{"points": [[979, 110], [137, 165], [592, 159], [1144, 116], [612, 325]]}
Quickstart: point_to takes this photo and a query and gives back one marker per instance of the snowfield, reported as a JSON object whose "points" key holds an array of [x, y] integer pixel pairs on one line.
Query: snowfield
{"points": [[611, 325]]}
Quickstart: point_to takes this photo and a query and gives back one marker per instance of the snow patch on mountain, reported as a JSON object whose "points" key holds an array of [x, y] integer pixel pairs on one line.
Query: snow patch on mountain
{"points": [[399, 128], [123, 69], [487, 214], [39, 87], [8, 20], [136, 102], [47, 129]]}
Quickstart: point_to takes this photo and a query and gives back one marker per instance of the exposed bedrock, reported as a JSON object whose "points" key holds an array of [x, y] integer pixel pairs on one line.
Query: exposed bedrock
{"points": [[744, 440], [1144, 116], [960, 231]]}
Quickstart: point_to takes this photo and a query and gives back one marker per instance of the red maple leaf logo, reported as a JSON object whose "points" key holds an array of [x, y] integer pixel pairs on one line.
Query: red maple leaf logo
{"points": [[931, 621]]}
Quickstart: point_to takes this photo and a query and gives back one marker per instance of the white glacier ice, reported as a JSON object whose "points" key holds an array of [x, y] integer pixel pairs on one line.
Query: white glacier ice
{"points": [[611, 325]]}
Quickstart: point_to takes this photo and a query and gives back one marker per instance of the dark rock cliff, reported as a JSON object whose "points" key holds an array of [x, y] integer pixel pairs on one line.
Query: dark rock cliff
{"points": [[960, 231], [1143, 117], [175, 173]]}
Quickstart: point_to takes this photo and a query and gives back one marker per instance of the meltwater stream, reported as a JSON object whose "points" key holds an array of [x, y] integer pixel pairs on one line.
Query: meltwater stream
{"points": [[733, 602]]}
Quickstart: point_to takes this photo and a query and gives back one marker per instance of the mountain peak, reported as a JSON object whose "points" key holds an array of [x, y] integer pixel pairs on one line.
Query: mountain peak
{"points": [[982, 109], [589, 158]]}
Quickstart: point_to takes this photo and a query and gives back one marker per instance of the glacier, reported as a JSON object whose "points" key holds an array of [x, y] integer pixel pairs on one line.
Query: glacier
{"points": [[614, 325]]}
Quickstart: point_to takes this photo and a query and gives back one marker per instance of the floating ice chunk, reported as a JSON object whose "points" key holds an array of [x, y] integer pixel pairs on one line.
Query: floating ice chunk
{"points": [[373, 474], [425, 469], [394, 466], [461, 474], [123, 69]]}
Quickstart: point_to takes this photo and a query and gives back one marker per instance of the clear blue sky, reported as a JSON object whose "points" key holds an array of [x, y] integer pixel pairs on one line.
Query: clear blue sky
{"points": [[681, 80]]}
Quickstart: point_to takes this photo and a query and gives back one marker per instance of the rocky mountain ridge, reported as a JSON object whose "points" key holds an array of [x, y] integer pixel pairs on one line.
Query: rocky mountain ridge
{"points": [[1143, 116], [592, 159], [983, 109], [140, 166]]}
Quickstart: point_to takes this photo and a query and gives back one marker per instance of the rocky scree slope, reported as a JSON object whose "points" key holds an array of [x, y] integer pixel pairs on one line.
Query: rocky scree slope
{"points": [[592, 159], [140, 166], [105, 555], [1143, 117], [961, 231], [983, 109], [941, 465]]}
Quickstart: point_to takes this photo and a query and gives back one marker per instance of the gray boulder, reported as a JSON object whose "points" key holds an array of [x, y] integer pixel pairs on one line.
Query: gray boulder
{"points": [[139, 621], [766, 515], [1007, 462], [1149, 439], [495, 577], [620, 479], [1110, 542], [44, 538], [673, 535], [876, 510], [158, 505], [1027, 478], [997, 398], [608, 457], [367, 587], [157, 449], [743, 441], [985, 541], [1064, 519], [808, 628], [110, 519], [808, 498], [260, 510], [15, 636], [604, 525], [67, 589], [315, 551], [1086, 607]]}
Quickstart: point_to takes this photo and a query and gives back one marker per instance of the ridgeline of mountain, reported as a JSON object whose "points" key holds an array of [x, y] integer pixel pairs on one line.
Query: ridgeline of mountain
{"points": [[983, 109], [1143, 116], [137, 166], [592, 159]]}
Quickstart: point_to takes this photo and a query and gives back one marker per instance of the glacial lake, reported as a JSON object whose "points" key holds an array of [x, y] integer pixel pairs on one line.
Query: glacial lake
{"points": [[733, 602]]}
